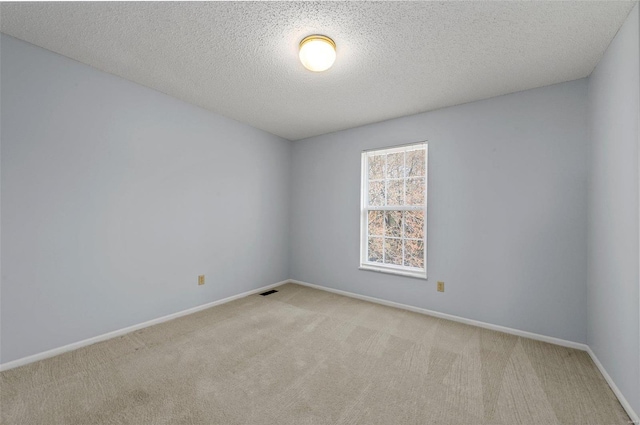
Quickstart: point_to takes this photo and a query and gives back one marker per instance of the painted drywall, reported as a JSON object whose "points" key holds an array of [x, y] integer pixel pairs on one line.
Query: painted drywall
{"points": [[115, 198], [613, 293], [507, 220]]}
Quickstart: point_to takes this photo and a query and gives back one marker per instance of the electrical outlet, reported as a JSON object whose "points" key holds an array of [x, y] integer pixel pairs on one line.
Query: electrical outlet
{"points": [[440, 286], [201, 279]]}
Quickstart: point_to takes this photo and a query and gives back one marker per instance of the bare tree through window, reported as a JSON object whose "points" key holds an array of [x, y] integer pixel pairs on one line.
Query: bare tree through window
{"points": [[394, 209]]}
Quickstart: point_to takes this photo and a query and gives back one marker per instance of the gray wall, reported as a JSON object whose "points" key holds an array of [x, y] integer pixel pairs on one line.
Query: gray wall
{"points": [[613, 298], [507, 220], [116, 197]]}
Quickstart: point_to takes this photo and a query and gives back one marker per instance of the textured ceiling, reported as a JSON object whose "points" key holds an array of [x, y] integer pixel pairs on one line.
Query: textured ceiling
{"points": [[239, 59]]}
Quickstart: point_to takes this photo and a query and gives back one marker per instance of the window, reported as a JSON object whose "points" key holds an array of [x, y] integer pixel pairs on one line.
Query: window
{"points": [[394, 210]]}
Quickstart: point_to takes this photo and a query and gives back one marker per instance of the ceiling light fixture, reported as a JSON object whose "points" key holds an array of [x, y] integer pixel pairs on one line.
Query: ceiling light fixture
{"points": [[317, 52]]}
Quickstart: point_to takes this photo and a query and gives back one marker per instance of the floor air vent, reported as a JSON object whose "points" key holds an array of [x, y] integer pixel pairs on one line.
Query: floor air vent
{"points": [[264, 294]]}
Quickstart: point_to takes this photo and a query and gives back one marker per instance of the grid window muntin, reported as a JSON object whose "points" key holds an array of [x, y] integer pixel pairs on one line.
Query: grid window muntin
{"points": [[384, 191]]}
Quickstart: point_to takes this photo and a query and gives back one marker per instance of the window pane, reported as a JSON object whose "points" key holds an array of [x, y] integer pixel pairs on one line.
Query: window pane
{"points": [[376, 223], [414, 224], [393, 251], [395, 189], [376, 193], [376, 167], [413, 253], [395, 165], [415, 191], [394, 180], [375, 250], [415, 163], [393, 224]]}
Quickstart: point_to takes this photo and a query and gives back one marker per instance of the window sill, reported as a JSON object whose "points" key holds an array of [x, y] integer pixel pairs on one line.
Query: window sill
{"points": [[388, 270]]}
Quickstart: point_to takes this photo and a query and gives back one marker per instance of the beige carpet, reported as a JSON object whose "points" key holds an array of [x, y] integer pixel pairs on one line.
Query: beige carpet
{"points": [[303, 356]]}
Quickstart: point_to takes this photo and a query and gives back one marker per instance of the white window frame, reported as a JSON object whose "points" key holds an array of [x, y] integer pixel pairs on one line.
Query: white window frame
{"points": [[365, 208]]}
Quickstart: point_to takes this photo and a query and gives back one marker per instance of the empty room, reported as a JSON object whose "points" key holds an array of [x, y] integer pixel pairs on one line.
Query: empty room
{"points": [[297, 213]]}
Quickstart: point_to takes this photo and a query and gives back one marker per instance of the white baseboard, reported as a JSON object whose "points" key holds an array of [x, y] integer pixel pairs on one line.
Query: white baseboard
{"points": [[623, 401], [525, 334], [74, 346]]}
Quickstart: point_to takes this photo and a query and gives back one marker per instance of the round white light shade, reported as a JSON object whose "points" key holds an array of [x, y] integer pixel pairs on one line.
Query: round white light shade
{"points": [[317, 52]]}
